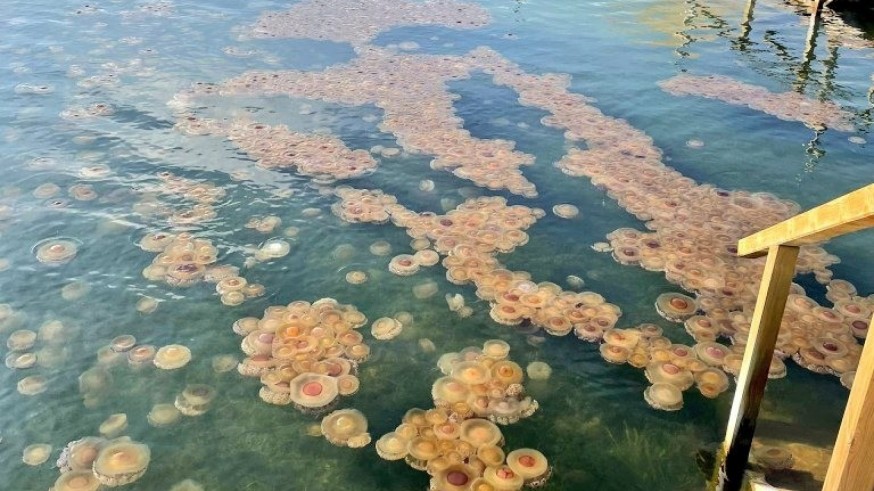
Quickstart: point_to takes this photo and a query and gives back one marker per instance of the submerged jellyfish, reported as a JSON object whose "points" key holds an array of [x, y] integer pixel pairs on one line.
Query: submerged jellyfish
{"points": [[36, 454], [666, 397], [346, 428], [172, 356], [56, 251], [566, 211], [195, 399], [675, 307], [114, 425], [380, 248], [392, 446], [386, 328], [531, 465], [538, 370], [32, 385], [121, 463], [313, 393], [163, 415], [147, 304], [356, 277], [77, 481], [403, 265]]}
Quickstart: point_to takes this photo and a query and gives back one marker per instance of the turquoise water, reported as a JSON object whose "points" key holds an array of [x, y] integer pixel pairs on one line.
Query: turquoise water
{"points": [[593, 423]]}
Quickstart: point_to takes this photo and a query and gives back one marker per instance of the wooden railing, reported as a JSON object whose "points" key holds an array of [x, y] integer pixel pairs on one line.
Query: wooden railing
{"points": [[852, 462]]}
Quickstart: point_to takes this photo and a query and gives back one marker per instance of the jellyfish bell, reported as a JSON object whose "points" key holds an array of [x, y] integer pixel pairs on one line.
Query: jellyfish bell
{"points": [[676, 307], [195, 399], [346, 427], [81, 480], [32, 385], [386, 328], [420, 450], [502, 478], [480, 432], [566, 211], [392, 446], [56, 251], [531, 465], [36, 454], [313, 393], [141, 355], [123, 343], [114, 425], [121, 463], [455, 477], [162, 415], [663, 396], [538, 370], [172, 357], [356, 277], [775, 458], [147, 304], [380, 248], [21, 340]]}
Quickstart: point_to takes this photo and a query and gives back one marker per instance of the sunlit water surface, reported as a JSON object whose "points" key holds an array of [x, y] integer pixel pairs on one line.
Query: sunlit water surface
{"points": [[593, 423]]}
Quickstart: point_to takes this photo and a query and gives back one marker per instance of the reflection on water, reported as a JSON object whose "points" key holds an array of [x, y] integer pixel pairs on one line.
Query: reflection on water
{"points": [[176, 173]]}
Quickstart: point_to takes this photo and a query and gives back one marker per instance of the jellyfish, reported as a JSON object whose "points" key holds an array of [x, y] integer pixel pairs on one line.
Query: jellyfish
{"points": [[531, 465], [380, 248], [147, 304], [163, 415], [392, 446], [83, 480], [36, 454], [313, 393], [775, 458], [565, 211], [21, 340], [172, 356], [32, 385], [195, 399], [538, 370], [121, 463], [427, 346], [420, 451], [56, 251], [356, 277], [123, 343], [346, 428], [403, 265], [114, 425], [666, 397], [675, 307], [386, 328]]}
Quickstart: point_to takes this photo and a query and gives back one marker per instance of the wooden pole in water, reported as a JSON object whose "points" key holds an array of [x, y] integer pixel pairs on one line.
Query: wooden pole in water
{"points": [[851, 463], [773, 292]]}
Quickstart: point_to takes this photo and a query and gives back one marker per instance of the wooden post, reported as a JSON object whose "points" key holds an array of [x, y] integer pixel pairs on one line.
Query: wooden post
{"points": [[773, 292], [851, 463]]}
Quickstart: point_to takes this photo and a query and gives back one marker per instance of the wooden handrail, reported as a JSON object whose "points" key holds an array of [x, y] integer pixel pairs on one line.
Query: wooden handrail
{"points": [[849, 468], [849, 213]]}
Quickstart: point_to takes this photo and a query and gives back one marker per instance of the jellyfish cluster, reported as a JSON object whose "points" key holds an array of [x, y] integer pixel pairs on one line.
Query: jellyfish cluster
{"points": [[314, 155], [359, 21], [96, 110], [470, 236], [306, 354], [93, 462], [410, 89], [789, 106], [458, 442]]}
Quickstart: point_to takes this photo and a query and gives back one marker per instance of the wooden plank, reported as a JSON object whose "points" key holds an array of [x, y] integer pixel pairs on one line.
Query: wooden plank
{"points": [[851, 212], [851, 463], [773, 292]]}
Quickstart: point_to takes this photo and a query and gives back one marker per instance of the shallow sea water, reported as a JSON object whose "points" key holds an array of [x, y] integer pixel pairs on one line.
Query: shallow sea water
{"points": [[593, 423]]}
